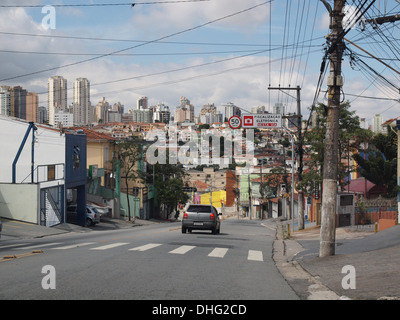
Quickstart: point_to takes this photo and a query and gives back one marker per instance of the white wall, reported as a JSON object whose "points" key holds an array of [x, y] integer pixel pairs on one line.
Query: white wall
{"points": [[19, 202], [49, 149]]}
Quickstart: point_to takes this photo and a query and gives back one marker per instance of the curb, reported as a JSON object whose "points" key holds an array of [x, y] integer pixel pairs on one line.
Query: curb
{"points": [[306, 286]]}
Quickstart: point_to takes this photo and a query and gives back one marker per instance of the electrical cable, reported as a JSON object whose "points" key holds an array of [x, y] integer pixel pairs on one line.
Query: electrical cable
{"points": [[139, 45]]}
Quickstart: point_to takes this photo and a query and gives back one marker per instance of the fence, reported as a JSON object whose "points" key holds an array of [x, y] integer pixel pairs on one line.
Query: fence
{"points": [[371, 211]]}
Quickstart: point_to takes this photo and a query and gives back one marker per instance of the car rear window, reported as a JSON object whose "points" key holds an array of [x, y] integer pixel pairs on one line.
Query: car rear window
{"points": [[199, 209]]}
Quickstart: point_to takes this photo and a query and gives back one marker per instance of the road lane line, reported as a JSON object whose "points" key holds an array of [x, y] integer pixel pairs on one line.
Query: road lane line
{"points": [[146, 247], [182, 249], [218, 252], [109, 246], [13, 245], [255, 255], [73, 246]]}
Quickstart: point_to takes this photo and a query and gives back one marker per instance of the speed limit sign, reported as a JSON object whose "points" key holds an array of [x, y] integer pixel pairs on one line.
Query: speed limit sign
{"points": [[235, 122]]}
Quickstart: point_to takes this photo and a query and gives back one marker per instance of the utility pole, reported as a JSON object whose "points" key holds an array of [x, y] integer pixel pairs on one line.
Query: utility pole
{"points": [[330, 172], [300, 150]]}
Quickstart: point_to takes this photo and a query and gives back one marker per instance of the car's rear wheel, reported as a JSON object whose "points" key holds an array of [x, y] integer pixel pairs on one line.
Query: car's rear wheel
{"points": [[88, 222]]}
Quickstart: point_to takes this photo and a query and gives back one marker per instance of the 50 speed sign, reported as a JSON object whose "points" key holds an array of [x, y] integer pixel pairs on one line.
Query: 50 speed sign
{"points": [[235, 122]]}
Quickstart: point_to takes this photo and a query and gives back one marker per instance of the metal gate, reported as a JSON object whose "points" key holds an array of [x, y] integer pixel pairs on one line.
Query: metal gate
{"points": [[51, 206]]}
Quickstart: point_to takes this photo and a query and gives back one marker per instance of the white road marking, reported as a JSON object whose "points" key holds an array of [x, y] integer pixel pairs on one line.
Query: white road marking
{"points": [[73, 246], [182, 249], [218, 252], [109, 246], [146, 247], [255, 255]]}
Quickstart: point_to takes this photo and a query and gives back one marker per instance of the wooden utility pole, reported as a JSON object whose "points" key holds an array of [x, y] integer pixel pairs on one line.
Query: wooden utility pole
{"points": [[330, 172]]}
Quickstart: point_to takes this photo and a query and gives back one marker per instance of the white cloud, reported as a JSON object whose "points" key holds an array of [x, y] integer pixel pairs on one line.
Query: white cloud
{"points": [[243, 81], [157, 19]]}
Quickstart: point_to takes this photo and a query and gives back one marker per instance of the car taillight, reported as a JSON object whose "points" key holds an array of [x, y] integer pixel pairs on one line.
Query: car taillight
{"points": [[185, 215], [212, 217]]}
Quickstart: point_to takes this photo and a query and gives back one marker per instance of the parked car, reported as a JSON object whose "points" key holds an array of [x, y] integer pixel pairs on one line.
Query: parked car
{"points": [[92, 215], [201, 217], [103, 211]]}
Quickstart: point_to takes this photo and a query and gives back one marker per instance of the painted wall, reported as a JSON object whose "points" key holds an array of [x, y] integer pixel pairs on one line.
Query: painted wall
{"points": [[49, 149], [19, 202]]}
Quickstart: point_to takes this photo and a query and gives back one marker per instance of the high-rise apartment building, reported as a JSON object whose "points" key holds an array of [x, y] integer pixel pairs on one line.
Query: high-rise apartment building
{"points": [[100, 110], [18, 102], [81, 105], [5, 101], [43, 115], [32, 107], [142, 103], [161, 113], [231, 110], [184, 112], [142, 116], [278, 108], [57, 96], [209, 114], [377, 123]]}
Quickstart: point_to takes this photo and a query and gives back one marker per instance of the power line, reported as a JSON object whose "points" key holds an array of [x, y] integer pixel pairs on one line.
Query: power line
{"points": [[296, 45], [133, 40], [131, 4], [140, 45]]}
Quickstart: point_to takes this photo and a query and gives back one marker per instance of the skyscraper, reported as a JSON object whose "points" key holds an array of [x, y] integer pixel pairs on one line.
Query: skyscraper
{"points": [[82, 107], [142, 103], [57, 90], [18, 102], [377, 123], [231, 110], [5, 101], [184, 112], [32, 107]]}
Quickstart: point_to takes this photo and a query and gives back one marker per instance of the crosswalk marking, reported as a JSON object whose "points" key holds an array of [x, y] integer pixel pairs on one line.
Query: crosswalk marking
{"points": [[39, 246], [74, 246], [146, 247], [109, 246], [218, 252], [182, 249], [255, 255]]}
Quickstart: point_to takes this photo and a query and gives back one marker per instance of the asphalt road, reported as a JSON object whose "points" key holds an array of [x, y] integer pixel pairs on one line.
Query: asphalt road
{"points": [[154, 262]]}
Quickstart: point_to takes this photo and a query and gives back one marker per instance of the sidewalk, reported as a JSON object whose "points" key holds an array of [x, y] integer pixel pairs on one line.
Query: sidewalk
{"points": [[13, 229], [374, 256]]}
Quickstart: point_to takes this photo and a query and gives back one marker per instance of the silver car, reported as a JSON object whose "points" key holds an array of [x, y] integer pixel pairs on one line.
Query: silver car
{"points": [[201, 217], [92, 215]]}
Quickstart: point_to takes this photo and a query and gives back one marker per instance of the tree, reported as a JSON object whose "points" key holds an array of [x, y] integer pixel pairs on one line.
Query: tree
{"points": [[168, 181], [380, 167], [128, 155], [170, 194], [350, 136]]}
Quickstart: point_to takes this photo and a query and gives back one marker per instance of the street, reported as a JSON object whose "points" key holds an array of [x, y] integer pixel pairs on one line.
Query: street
{"points": [[153, 262]]}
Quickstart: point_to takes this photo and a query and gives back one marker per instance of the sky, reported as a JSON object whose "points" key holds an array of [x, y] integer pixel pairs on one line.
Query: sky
{"points": [[209, 51]]}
